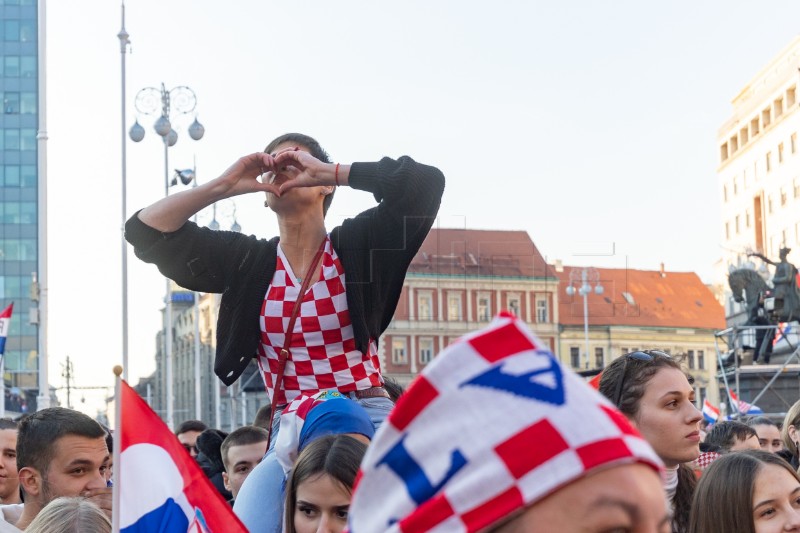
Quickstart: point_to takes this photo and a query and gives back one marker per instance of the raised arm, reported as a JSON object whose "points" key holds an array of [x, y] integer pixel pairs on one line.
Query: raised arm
{"points": [[762, 257], [171, 213]]}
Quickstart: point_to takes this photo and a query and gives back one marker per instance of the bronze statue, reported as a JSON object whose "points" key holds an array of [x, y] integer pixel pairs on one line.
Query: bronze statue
{"points": [[786, 291]]}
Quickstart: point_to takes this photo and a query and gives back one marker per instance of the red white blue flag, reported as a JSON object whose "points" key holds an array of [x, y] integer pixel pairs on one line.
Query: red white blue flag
{"points": [[710, 411], [162, 488], [746, 408], [5, 322]]}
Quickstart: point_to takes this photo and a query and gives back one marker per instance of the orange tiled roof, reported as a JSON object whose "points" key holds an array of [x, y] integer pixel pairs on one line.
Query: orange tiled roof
{"points": [[459, 252], [642, 298]]}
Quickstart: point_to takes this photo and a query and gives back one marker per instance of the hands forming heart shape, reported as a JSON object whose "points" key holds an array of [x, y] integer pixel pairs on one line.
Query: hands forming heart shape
{"points": [[292, 168]]}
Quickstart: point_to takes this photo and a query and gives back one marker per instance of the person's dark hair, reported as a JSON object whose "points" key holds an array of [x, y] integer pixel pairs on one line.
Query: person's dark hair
{"points": [[7, 423], [723, 435], [635, 374], [39, 431], [191, 425], [338, 456], [394, 389], [262, 418], [241, 437], [754, 421], [723, 499], [315, 149]]}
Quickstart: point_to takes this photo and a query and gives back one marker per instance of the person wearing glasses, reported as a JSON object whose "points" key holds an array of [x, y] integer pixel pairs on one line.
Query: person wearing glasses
{"points": [[652, 391]]}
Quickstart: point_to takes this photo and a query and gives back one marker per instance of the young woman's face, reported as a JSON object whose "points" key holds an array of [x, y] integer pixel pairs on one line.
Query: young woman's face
{"points": [[668, 418], [322, 505], [769, 438], [776, 500], [622, 498]]}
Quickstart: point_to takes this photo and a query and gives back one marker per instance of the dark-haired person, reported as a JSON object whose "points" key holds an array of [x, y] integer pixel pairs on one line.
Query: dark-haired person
{"points": [[61, 452], [769, 434], [320, 485], [356, 271], [653, 392], [731, 436], [752, 491], [241, 451], [187, 434]]}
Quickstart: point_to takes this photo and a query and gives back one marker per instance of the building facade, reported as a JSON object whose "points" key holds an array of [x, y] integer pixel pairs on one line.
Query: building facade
{"points": [[457, 282], [759, 172], [19, 190], [641, 310]]}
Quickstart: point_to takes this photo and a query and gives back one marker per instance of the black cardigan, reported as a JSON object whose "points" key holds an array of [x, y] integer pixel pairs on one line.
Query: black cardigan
{"points": [[375, 249]]}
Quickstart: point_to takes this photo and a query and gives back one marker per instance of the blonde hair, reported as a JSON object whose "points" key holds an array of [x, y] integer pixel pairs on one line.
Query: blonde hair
{"points": [[792, 419], [70, 515]]}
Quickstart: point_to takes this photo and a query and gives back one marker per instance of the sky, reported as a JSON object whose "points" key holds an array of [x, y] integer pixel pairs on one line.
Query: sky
{"points": [[589, 124]]}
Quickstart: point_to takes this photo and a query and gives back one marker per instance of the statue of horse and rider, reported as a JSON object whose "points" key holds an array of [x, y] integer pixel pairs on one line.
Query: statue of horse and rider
{"points": [[767, 306]]}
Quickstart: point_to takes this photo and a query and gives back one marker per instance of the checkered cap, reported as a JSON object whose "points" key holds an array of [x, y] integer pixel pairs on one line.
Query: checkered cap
{"points": [[492, 425]]}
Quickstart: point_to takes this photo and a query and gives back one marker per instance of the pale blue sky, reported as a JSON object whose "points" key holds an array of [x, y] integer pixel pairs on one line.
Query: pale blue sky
{"points": [[585, 123]]}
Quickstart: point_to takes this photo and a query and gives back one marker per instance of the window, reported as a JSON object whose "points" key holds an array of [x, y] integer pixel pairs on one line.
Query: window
{"points": [[424, 305], [701, 360], [754, 128], [11, 103], [27, 139], [454, 306], [736, 224], [734, 144], [791, 96], [784, 197], [27, 103], [780, 153], [766, 117], [768, 161], [747, 218], [769, 204], [690, 358], [701, 396], [778, 106], [27, 68], [11, 138], [735, 186], [399, 352], [796, 187], [743, 136], [11, 66], [575, 356], [623, 351], [724, 193], [723, 152], [599, 361], [793, 142], [425, 350], [484, 307], [542, 309], [513, 305], [11, 32]]}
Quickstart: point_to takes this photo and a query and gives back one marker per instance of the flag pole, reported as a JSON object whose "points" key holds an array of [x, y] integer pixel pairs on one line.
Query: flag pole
{"points": [[117, 467]]}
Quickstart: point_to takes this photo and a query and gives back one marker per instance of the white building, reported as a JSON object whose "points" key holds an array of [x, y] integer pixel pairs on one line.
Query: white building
{"points": [[759, 168]]}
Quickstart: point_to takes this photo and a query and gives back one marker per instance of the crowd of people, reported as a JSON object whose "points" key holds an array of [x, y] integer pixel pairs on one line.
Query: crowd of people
{"points": [[494, 435]]}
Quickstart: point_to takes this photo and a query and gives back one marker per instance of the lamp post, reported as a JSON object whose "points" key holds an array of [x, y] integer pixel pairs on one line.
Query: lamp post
{"points": [[167, 105], [585, 277]]}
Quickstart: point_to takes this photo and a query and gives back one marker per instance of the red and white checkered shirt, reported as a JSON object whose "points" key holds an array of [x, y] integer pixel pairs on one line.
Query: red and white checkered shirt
{"points": [[323, 353]]}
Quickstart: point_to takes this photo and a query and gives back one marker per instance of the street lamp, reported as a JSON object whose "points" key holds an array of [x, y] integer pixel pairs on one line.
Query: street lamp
{"points": [[167, 105], [585, 276]]}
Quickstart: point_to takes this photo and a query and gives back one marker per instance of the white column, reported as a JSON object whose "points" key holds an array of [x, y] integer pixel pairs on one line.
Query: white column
{"points": [[412, 353], [439, 303], [411, 308], [498, 302], [530, 315], [469, 317]]}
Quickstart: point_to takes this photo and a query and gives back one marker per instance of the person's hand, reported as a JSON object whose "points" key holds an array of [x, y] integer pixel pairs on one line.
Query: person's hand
{"points": [[101, 498], [242, 176], [296, 168]]}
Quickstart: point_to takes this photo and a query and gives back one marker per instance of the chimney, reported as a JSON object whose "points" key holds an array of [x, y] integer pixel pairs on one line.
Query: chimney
{"points": [[663, 274], [559, 266]]}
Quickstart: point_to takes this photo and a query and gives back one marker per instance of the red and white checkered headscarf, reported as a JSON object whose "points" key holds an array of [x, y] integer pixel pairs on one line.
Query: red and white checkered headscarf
{"points": [[492, 425]]}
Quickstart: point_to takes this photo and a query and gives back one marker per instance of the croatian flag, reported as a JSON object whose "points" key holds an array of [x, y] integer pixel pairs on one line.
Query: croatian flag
{"points": [[5, 322], [784, 329], [710, 412], [162, 488], [746, 408]]}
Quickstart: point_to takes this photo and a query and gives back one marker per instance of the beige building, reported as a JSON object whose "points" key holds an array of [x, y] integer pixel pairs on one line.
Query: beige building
{"points": [[457, 282], [759, 170], [640, 310]]}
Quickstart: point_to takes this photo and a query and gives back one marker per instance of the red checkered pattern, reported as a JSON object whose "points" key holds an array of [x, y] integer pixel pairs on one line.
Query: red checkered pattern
{"points": [[705, 460], [323, 353], [491, 426]]}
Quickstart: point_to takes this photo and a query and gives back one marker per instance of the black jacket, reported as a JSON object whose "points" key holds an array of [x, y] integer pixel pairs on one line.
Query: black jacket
{"points": [[375, 249]]}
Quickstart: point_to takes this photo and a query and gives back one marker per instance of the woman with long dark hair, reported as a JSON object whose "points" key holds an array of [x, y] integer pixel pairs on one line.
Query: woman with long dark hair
{"points": [[653, 392]]}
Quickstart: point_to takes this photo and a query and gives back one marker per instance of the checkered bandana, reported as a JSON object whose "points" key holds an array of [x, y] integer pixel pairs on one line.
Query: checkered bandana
{"points": [[323, 349], [492, 425]]}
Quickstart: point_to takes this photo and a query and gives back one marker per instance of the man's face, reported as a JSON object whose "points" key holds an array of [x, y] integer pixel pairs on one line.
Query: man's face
{"points": [[241, 461], [750, 443], [9, 482], [79, 464], [189, 441]]}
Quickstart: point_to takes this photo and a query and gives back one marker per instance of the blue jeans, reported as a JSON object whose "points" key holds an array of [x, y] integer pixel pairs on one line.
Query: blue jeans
{"points": [[259, 504]]}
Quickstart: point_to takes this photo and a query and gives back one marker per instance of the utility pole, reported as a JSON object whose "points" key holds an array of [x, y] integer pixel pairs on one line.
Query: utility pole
{"points": [[67, 374]]}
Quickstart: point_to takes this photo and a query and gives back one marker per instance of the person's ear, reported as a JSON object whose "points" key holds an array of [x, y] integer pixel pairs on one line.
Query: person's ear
{"points": [[226, 482], [30, 481], [792, 433]]}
